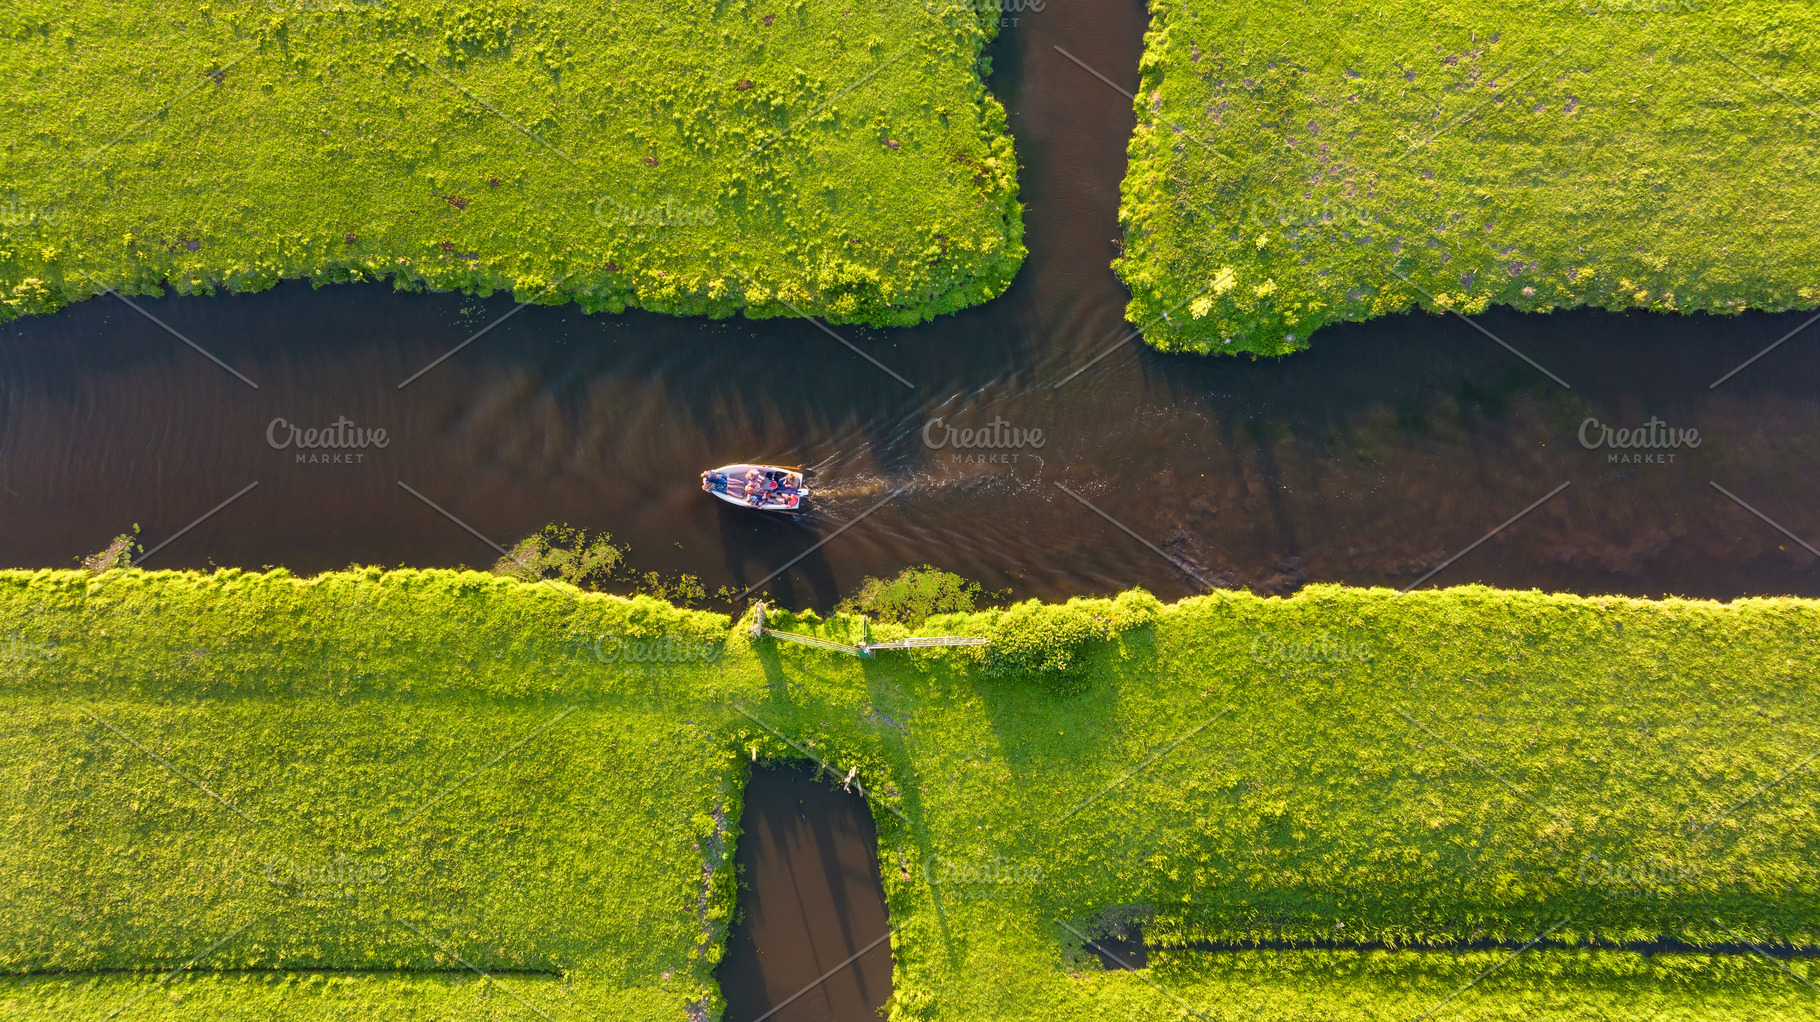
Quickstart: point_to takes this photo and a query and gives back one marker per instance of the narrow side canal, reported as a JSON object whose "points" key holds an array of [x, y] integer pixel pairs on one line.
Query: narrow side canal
{"points": [[811, 940]]}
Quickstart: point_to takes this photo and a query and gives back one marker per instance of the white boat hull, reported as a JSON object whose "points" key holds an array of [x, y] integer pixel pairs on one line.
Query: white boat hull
{"points": [[776, 488]]}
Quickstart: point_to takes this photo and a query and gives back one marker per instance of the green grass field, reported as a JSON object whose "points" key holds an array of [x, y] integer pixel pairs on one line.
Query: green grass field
{"points": [[842, 160], [314, 794], [1294, 167], [326, 795]]}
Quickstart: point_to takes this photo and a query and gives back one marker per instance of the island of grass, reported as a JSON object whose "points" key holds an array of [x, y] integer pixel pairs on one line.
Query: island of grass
{"points": [[804, 156], [1305, 165], [243, 796]]}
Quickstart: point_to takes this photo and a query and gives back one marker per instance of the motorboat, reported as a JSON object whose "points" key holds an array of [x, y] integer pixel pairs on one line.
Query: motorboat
{"points": [[760, 487]]}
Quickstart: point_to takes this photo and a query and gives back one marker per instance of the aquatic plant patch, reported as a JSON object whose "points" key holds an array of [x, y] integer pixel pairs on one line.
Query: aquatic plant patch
{"points": [[830, 159], [1336, 162], [371, 773]]}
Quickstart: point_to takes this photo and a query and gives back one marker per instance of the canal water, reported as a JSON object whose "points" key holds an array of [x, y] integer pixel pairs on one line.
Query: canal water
{"points": [[1372, 459], [810, 942]]}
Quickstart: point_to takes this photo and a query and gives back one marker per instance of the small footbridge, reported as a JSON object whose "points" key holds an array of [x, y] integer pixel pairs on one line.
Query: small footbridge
{"points": [[865, 649]]}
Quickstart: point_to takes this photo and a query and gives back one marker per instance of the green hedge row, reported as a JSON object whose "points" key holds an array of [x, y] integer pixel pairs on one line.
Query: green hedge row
{"points": [[1050, 646]]}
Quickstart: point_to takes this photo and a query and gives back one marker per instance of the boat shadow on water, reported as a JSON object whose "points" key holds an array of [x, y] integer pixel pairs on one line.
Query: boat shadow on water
{"points": [[758, 548]]}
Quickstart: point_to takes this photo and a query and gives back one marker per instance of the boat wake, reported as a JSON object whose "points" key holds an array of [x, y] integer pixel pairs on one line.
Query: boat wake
{"points": [[841, 489], [861, 487]]}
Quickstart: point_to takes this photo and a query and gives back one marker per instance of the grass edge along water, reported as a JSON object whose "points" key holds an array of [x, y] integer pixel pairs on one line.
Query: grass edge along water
{"points": [[1410, 771], [820, 159], [1338, 163]]}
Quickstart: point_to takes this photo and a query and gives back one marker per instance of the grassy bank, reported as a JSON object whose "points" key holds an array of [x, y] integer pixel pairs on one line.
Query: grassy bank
{"points": [[1292, 169], [845, 160], [313, 799], [371, 773]]}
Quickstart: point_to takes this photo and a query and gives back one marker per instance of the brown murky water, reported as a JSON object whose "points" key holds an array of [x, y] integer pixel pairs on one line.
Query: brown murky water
{"points": [[1372, 459], [810, 943]]}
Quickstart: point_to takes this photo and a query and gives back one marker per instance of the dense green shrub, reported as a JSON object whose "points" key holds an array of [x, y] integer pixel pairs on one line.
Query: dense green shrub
{"points": [[1052, 643], [913, 596]]}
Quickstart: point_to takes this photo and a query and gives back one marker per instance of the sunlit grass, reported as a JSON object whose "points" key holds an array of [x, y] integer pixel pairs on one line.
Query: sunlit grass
{"points": [[841, 160], [1298, 167], [371, 773]]}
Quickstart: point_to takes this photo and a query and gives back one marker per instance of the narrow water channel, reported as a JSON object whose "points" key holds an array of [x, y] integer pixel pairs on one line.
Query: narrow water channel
{"points": [[1372, 459], [809, 943]]}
